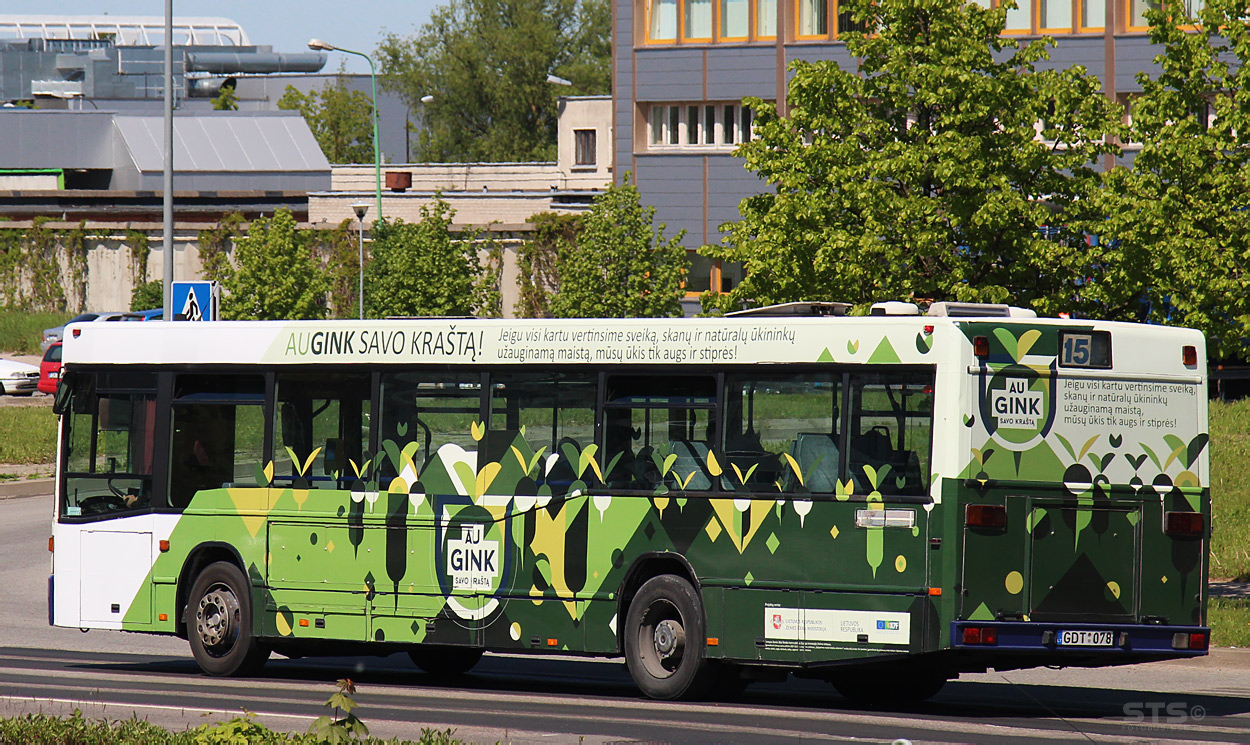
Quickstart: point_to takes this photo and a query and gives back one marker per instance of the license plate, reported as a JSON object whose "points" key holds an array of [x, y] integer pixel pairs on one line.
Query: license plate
{"points": [[1086, 638], [54, 375]]}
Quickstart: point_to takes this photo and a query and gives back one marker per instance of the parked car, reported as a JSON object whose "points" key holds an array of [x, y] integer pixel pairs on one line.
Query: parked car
{"points": [[18, 378], [54, 334], [50, 369], [155, 314]]}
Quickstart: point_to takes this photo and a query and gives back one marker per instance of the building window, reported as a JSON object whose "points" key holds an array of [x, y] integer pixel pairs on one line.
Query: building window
{"points": [[1019, 18], [663, 21], [735, 19], [1054, 15], [1093, 15], [584, 143], [813, 18], [1137, 11], [698, 125], [765, 19], [698, 20]]}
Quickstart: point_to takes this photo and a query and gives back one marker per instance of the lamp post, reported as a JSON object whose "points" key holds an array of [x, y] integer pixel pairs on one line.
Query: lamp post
{"points": [[408, 125], [361, 209], [325, 46]]}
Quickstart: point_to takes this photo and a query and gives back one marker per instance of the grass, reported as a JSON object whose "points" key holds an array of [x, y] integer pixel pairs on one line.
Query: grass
{"points": [[21, 331], [27, 435], [1230, 489], [1229, 619]]}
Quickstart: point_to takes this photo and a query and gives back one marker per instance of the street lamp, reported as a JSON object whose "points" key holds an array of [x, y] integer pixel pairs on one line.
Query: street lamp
{"points": [[325, 46], [361, 209], [426, 99]]}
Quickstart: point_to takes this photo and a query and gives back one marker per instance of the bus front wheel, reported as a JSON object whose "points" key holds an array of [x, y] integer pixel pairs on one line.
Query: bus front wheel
{"points": [[219, 623], [665, 640]]}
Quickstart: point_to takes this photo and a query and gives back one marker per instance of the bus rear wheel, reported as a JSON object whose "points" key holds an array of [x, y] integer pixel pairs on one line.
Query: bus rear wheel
{"points": [[443, 661], [219, 623], [665, 640]]}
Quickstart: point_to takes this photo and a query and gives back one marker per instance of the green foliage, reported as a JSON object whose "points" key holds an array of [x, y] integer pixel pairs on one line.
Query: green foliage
{"points": [[339, 117], [27, 435], [148, 295], [621, 265], [227, 99], [1229, 619], [41, 729], [1180, 217], [918, 173], [537, 260], [345, 728], [422, 269], [21, 330], [215, 246], [1230, 489], [277, 276], [340, 250], [140, 251], [244, 730], [486, 62]]}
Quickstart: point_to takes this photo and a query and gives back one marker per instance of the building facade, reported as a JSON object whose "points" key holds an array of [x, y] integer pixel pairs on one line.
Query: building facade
{"points": [[682, 67]]}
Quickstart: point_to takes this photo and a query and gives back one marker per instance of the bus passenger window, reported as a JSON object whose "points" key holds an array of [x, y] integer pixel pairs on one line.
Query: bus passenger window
{"points": [[430, 409], [218, 434], [782, 432], [891, 422], [658, 432], [548, 414], [322, 421]]}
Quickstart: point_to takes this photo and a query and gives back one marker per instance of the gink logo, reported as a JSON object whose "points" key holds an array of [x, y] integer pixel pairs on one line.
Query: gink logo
{"points": [[472, 561], [1162, 712]]}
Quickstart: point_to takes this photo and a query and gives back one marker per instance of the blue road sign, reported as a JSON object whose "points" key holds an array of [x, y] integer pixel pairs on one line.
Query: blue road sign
{"points": [[194, 301]]}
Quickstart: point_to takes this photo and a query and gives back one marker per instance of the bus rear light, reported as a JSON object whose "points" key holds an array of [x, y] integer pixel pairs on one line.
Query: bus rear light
{"points": [[1189, 355], [50, 539], [1184, 640], [1186, 524], [981, 346], [77, 333], [164, 545], [981, 635], [163, 617], [928, 329], [985, 516]]}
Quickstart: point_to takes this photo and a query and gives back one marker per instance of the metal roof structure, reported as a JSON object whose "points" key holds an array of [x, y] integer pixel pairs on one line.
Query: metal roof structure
{"points": [[125, 30], [224, 142]]}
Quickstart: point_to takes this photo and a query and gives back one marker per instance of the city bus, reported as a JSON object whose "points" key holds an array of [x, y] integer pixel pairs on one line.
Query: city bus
{"points": [[881, 501]]}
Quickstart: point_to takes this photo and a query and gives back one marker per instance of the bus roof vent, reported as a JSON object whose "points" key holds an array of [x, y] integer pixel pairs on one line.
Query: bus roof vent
{"points": [[894, 308], [979, 310], [796, 309]]}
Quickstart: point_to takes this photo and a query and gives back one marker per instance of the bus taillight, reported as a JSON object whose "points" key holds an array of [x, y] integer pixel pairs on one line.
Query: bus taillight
{"points": [[1189, 355], [984, 635], [50, 539], [1186, 524], [1183, 640], [985, 516], [981, 346]]}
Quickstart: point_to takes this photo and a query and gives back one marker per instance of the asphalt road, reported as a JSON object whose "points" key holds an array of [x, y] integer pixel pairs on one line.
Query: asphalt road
{"points": [[568, 700]]}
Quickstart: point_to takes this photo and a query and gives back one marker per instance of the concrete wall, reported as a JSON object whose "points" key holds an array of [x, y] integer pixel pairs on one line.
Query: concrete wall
{"points": [[111, 260]]}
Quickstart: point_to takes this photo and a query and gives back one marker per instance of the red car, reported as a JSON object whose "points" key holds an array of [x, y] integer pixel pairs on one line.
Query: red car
{"points": [[50, 369]]}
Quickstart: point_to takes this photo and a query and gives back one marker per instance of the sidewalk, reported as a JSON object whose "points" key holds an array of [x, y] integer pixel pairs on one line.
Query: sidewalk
{"points": [[14, 489]]}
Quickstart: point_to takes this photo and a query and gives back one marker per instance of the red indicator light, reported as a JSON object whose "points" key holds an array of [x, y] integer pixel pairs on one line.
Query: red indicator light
{"points": [[928, 329], [981, 346], [163, 617], [50, 539], [1189, 355], [551, 642], [713, 641], [979, 635], [972, 635], [1197, 641], [935, 591], [164, 546], [989, 636], [1187, 524], [985, 516], [303, 622], [77, 333]]}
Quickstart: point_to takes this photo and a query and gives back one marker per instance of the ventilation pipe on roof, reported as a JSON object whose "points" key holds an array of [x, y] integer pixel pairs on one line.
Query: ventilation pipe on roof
{"points": [[228, 63]]}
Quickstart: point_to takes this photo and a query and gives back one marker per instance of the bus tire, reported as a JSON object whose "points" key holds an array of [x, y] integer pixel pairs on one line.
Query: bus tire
{"points": [[444, 661], [219, 623], [665, 640]]}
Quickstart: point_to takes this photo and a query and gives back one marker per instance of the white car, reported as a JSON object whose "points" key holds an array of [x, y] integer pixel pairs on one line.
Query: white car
{"points": [[18, 378]]}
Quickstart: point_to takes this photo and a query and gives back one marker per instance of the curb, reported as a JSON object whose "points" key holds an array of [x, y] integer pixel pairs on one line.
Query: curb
{"points": [[29, 488]]}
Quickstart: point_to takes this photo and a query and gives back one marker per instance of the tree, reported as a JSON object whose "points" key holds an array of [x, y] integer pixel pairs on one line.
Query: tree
{"points": [[423, 269], [486, 62], [227, 99], [621, 266], [148, 295], [921, 173], [1181, 215], [276, 276], [339, 117]]}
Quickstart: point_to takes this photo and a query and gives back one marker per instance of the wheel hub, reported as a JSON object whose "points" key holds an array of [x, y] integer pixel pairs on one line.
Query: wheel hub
{"points": [[670, 638], [215, 617]]}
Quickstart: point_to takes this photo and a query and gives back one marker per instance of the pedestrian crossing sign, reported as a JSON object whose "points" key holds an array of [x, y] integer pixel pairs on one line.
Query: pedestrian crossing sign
{"points": [[196, 301]]}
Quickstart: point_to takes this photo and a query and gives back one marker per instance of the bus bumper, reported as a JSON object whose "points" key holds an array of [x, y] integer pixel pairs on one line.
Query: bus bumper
{"points": [[1081, 639]]}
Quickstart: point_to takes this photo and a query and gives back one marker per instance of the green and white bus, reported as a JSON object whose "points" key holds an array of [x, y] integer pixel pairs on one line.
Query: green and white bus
{"points": [[881, 501]]}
